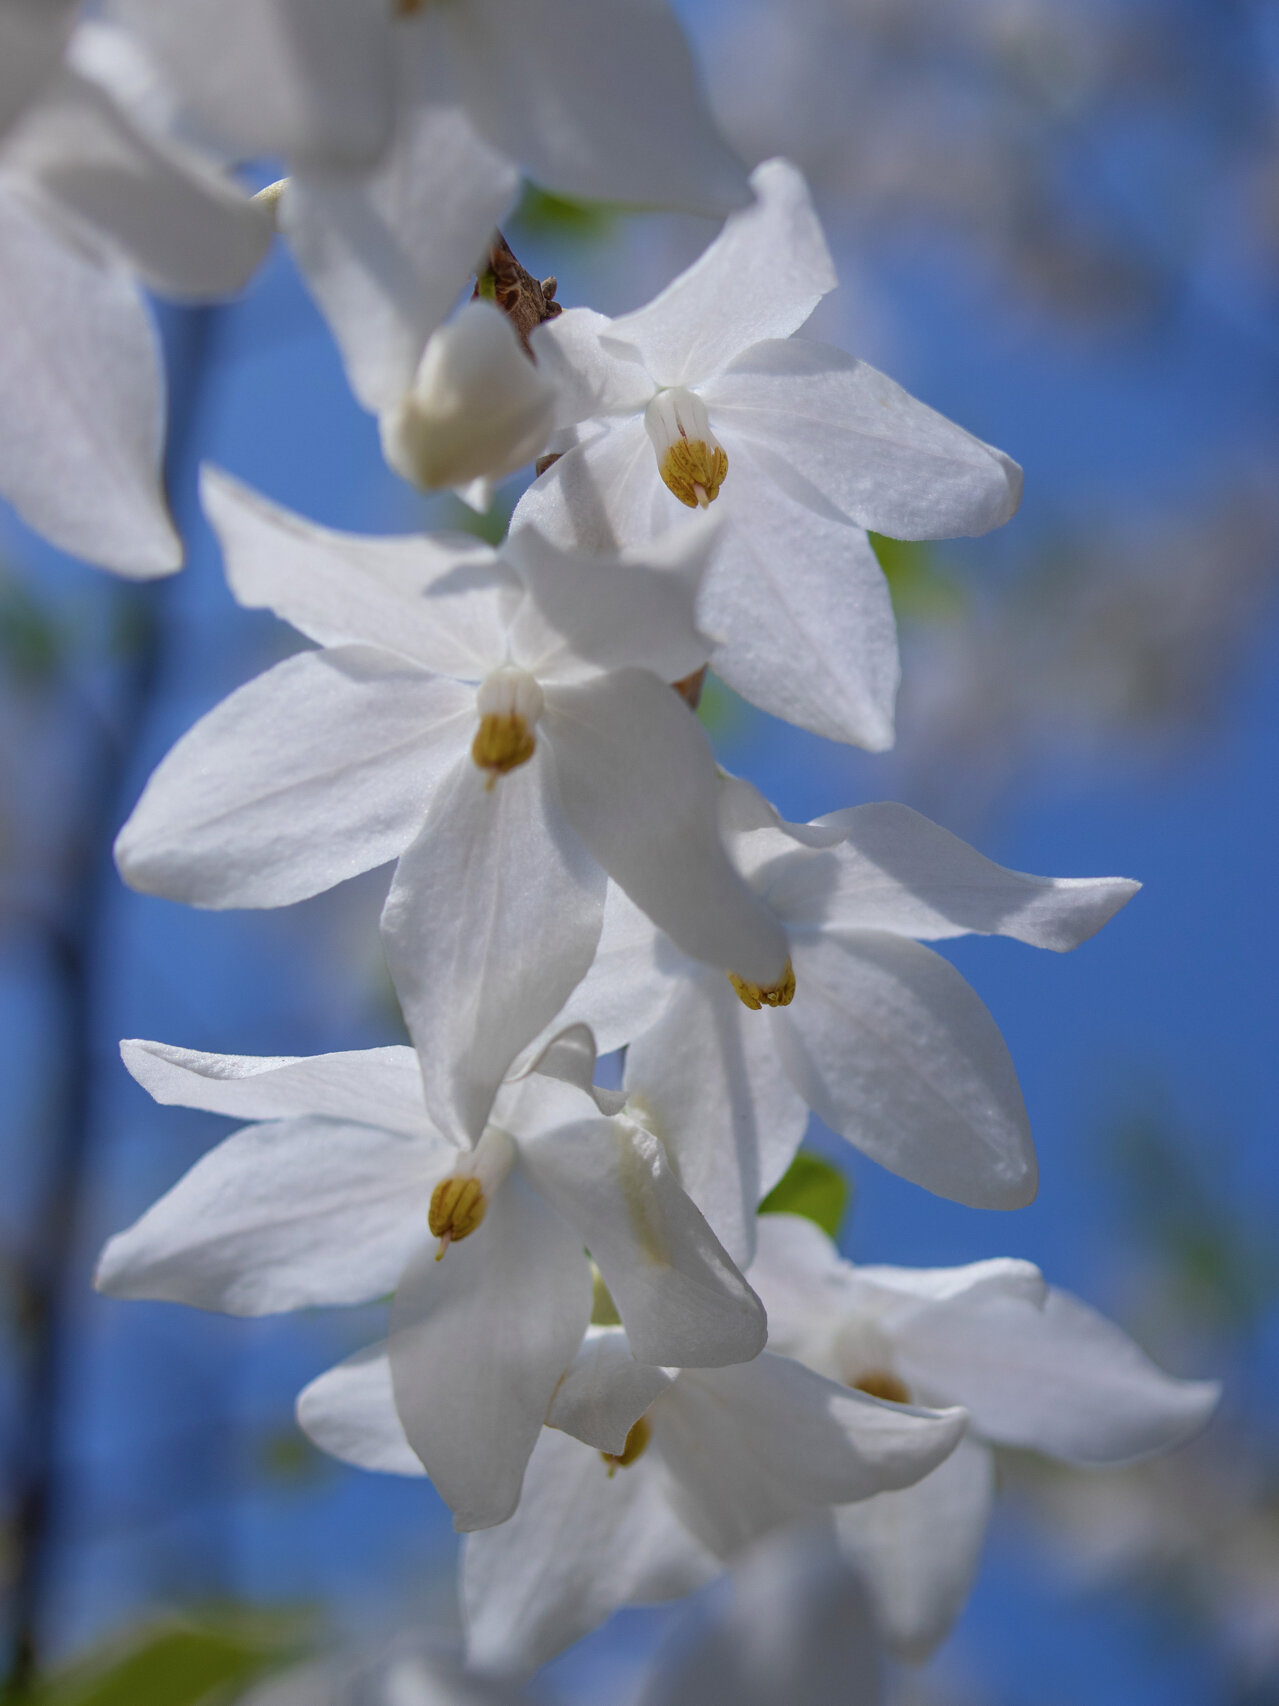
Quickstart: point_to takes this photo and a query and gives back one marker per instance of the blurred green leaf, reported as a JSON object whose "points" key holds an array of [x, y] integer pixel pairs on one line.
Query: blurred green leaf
{"points": [[178, 1662], [31, 643], [720, 710], [921, 590], [542, 214], [811, 1187]]}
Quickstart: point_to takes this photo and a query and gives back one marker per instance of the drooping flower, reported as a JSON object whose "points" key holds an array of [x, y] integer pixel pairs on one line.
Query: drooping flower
{"points": [[497, 720], [94, 210], [703, 397], [645, 1481], [345, 1192], [1034, 1366], [880, 1037]]}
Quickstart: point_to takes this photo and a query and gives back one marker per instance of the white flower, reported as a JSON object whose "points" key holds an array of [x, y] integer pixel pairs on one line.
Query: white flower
{"points": [[704, 396], [93, 211], [697, 1464], [493, 720], [1034, 1366], [880, 1037], [348, 1193], [477, 410]]}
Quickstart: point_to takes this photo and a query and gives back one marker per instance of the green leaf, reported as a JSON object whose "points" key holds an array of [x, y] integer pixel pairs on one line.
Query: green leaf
{"points": [[177, 1662], [811, 1187], [541, 214], [921, 590]]}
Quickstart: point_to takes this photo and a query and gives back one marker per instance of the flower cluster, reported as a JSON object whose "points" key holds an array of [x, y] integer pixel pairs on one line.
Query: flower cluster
{"points": [[581, 1290]]}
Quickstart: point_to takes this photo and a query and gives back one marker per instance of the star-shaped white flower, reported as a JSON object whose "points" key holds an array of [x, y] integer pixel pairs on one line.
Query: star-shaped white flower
{"points": [[697, 1464], [1035, 1368], [347, 1192], [877, 1035], [499, 721], [94, 211], [704, 396]]}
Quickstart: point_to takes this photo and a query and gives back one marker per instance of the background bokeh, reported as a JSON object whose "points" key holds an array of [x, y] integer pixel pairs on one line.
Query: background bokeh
{"points": [[1058, 222]]}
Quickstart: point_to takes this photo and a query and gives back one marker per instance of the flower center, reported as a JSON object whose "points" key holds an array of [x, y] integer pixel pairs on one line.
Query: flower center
{"points": [[635, 1447], [460, 1202], [509, 703], [882, 1383], [690, 459], [757, 995]]}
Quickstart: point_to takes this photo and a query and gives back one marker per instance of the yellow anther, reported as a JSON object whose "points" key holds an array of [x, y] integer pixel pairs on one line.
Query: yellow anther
{"points": [[502, 742], [635, 1447], [757, 995], [879, 1383], [457, 1208], [694, 471]]}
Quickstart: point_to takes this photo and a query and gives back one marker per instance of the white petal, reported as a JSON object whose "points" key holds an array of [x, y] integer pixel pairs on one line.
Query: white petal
{"points": [[761, 278], [638, 784], [804, 1284], [896, 871], [349, 1411], [284, 1215], [309, 79], [917, 1550], [590, 379], [584, 614], [596, 101], [1057, 1378], [339, 587], [796, 1628], [681, 1299], [477, 409], [888, 462], [491, 921], [582, 1543], [387, 255], [606, 1391], [186, 229], [800, 607], [757, 1446], [375, 1086], [709, 1081], [893, 1049], [604, 495], [81, 400], [635, 973], [317, 770], [479, 1342]]}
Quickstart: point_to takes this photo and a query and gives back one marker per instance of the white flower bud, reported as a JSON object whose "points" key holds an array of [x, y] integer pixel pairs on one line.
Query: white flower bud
{"points": [[478, 408]]}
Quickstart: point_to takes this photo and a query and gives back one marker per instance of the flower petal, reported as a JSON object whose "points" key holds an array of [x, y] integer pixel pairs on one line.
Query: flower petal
{"points": [[1057, 1377], [759, 1445], [491, 921], [309, 79], [638, 784], [319, 769], [374, 1086], [709, 1080], [388, 254], [606, 1391], [31, 42], [893, 1049], [82, 395], [800, 607], [590, 378], [284, 1215], [349, 1411], [917, 1550], [898, 872], [189, 231], [603, 495], [435, 599], [582, 1543], [888, 462], [681, 1299], [632, 977], [479, 1342], [596, 101], [761, 278], [584, 614]]}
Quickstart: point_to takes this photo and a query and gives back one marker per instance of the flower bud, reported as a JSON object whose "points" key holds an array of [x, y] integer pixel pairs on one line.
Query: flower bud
{"points": [[477, 409], [690, 459]]}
